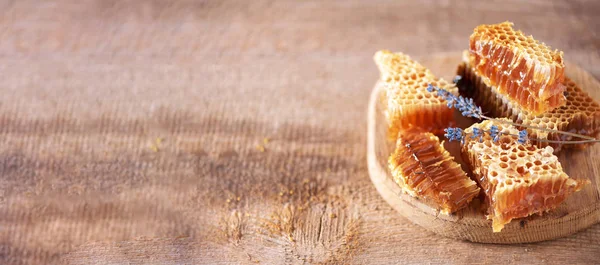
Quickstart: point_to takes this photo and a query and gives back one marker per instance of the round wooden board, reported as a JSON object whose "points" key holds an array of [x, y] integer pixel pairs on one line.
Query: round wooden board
{"points": [[578, 212]]}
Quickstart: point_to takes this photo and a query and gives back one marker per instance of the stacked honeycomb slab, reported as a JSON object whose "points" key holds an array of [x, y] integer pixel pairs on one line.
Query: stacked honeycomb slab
{"points": [[518, 180], [580, 114], [408, 103], [423, 168], [524, 70]]}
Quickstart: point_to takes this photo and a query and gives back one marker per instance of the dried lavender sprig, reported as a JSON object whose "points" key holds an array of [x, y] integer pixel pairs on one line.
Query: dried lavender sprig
{"points": [[465, 105], [522, 137], [456, 79], [457, 134], [592, 139], [468, 109], [477, 133], [565, 142], [495, 133]]}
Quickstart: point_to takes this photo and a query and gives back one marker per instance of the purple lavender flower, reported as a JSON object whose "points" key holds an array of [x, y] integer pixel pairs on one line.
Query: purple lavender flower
{"points": [[494, 133], [466, 106], [454, 134], [457, 79], [430, 88], [477, 133], [522, 137]]}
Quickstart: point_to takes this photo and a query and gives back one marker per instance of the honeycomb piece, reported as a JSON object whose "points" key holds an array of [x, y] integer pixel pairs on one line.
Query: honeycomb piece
{"points": [[519, 180], [424, 169], [580, 114], [526, 71], [408, 103]]}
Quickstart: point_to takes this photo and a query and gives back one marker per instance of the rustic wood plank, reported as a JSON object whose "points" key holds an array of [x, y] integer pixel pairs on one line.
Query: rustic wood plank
{"points": [[88, 87]]}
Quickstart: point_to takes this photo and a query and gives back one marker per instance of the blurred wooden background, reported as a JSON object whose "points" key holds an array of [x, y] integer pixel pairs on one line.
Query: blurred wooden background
{"points": [[185, 132]]}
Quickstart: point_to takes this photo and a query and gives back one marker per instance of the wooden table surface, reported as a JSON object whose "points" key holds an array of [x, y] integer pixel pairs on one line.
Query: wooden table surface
{"points": [[185, 132]]}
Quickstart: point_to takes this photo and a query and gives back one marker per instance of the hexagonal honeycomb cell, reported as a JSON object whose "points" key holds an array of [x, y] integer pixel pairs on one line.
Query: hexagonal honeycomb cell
{"points": [[407, 101], [518, 180], [580, 114], [424, 169], [524, 70]]}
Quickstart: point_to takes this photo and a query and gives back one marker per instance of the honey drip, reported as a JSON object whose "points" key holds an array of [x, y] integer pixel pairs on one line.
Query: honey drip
{"points": [[424, 169], [524, 70], [407, 101], [518, 180], [580, 114]]}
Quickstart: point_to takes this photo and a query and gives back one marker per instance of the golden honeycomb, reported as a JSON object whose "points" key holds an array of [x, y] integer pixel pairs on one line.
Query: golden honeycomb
{"points": [[408, 103], [424, 169], [518, 179], [580, 114], [523, 69]]}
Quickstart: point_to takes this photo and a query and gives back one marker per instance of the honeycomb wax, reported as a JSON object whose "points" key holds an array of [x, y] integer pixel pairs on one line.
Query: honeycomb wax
{"points": [[518, 179], [524, 70], [580, 114], [424, 169], [407, 101]]}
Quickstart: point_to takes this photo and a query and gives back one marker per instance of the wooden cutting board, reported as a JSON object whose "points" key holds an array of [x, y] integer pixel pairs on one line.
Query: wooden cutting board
{"points": [[578, 212]]}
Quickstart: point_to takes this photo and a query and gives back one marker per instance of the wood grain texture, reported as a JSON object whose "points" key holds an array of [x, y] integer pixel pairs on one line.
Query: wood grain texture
{"points": [[578, 212], [87, 87]]}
